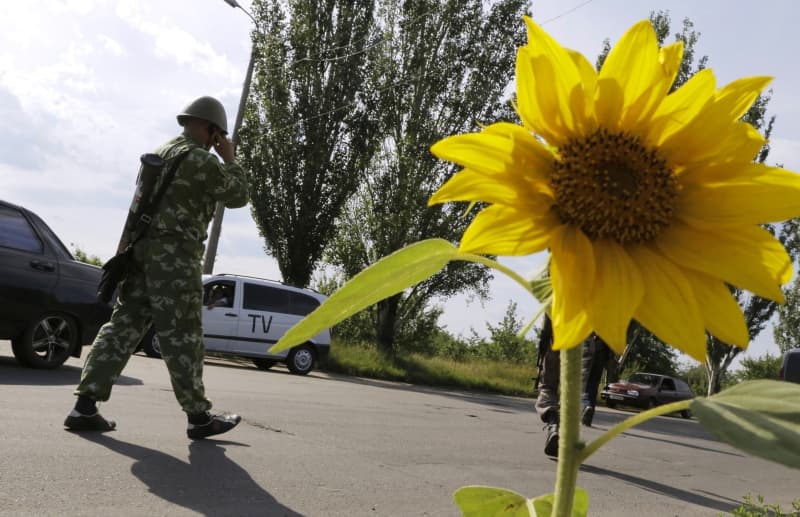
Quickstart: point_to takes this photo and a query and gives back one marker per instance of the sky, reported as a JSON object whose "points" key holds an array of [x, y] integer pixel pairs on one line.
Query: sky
{"points": [[87, 86]]}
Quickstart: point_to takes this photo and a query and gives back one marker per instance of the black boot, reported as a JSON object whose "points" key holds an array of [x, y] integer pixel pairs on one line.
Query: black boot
{"points": [[205, 425], [551, 435]]}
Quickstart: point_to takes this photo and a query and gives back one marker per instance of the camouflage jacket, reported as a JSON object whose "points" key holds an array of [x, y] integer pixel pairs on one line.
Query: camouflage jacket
{"points": [[199, 183]]}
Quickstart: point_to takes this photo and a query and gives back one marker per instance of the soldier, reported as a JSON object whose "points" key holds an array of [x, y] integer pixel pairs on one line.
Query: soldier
{"points": [[547, 404], [163, 288]]}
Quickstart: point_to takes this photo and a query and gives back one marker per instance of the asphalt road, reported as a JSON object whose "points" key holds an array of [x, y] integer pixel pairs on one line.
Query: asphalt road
{"points": [[337, 446]]}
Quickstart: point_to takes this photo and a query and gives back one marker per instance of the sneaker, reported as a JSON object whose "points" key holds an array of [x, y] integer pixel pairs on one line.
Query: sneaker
{"points": [[217, 424], [551, 440], [587, 416], [79, 422]]}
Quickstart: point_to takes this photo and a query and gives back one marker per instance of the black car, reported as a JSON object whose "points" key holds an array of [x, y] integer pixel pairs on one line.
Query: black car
{"points": [[48, 302]]}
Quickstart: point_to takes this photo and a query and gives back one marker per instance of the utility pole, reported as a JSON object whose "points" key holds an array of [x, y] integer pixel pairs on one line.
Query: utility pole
{"points": [[219, 213]]}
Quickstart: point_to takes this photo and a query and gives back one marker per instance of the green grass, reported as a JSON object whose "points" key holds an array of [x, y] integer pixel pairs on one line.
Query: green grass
{"points": [[475, 374]]}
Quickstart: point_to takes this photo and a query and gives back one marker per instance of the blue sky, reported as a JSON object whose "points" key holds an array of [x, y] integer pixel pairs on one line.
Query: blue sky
{"points": [[86, 86]]}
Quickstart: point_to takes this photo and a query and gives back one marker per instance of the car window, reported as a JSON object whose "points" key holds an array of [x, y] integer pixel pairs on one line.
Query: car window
{"points": [[668, 385], [265, 298], [682, 386], [16, 232], [52, 237], [643, 378]]}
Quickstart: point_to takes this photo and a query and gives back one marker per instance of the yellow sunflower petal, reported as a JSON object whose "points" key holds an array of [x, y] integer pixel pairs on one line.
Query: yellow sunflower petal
{"points": [[680, 107], [582, 99], [503, 189], [502, 230], [744, 256], [757, 194], [669, 308], [618, 289], [572, 272], [700, 139], [636, 50], [554, 77], [640, 111], [722, 315]]}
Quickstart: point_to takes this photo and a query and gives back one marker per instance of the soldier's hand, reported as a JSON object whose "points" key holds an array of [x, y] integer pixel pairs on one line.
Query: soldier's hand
{"points": [[223, 147]]}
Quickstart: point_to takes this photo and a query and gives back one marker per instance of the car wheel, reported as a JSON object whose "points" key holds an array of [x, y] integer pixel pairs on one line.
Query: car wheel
{"points": [[301, 360], [47, 343], [263, 364], [651, 403], [150, 344], [686, 414], [611, 404]]}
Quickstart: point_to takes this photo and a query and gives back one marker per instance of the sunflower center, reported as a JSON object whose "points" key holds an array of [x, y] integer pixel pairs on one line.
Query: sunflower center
{"points": [[611, 186]]}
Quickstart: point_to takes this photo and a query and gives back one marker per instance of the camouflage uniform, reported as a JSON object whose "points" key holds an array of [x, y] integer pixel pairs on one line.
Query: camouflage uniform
{"points": [[165, 287]]}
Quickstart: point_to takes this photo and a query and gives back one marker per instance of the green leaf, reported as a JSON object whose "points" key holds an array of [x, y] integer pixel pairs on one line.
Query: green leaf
{"points": [[390, 275], [760, 417], [486, 501], [580, 504]]}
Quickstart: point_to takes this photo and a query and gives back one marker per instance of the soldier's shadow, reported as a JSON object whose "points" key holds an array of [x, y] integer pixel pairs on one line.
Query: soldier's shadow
{"points": [[210, 484]]}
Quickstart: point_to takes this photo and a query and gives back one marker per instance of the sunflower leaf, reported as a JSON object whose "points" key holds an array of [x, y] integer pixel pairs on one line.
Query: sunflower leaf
{"points": [[759, 417], [580, 504], [390, 275], [486, 501]]}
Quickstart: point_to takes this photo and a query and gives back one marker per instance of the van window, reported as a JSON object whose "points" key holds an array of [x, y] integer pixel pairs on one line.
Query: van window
{"points": [[667, 385], [302, 304], [265, 298]]}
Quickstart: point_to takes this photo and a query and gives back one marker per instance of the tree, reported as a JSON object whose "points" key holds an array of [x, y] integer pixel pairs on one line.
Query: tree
{"points": [[765, 367], [82, 256], [787, 329], [441, 69], [306, 136]]}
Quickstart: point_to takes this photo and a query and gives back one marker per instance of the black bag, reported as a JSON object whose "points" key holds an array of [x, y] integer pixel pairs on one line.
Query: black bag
{"points": [[118, 266], [114, 272]]}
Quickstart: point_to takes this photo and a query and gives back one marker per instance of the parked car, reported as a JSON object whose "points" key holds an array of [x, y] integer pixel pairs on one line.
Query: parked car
{"points": [[647, 390], [48, 302], [790, 367], [243, 316]]}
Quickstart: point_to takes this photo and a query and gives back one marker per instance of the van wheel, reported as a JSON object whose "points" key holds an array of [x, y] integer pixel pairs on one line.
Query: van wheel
{"points": [[301, 360], [686, 414], [150, 344], [263, 364], [47, 343]]}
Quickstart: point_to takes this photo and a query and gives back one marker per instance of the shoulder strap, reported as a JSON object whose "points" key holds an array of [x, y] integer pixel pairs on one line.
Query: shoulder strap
{"points": [[147, 213]]}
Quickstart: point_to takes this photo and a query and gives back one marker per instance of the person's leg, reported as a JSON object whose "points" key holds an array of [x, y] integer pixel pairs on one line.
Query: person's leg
{"points": [[112, 348], [176, 302], [593, 361], [547, 405]]}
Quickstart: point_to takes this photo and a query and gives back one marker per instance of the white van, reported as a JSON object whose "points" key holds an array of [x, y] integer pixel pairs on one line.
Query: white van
{"points": [[244, 316]]}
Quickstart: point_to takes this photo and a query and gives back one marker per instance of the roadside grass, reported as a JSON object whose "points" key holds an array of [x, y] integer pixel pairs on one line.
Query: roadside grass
{"points": [[474, 374]]}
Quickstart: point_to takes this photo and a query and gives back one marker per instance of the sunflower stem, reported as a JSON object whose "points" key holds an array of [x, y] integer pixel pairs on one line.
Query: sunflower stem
{"points": [[569, 432], [630, 422]]}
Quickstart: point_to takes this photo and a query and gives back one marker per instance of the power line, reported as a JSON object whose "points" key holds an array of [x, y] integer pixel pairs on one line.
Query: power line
{"points": [[587, 2]]}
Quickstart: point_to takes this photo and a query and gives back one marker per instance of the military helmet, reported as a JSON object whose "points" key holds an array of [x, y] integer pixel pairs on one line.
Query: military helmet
{"points": [[205, 108]]}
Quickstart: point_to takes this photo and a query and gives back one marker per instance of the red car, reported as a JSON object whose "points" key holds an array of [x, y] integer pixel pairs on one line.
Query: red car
{"points": [[647, 390]]}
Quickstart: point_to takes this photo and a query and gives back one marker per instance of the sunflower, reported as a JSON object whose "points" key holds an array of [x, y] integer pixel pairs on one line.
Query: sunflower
{"points": [[648, 201]]}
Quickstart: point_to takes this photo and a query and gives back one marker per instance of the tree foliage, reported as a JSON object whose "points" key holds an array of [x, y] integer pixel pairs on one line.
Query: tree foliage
{"points": [[306, 136], [441, 69]]}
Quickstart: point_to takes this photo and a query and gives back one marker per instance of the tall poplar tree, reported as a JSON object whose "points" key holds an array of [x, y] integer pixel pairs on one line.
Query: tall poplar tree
{"points": [[307, 135], [442, 68]]}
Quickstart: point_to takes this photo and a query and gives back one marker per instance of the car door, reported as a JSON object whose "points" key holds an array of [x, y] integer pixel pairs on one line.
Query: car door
{"points": [[666, 391], [220, 316], [28, 269], [261, 319]]}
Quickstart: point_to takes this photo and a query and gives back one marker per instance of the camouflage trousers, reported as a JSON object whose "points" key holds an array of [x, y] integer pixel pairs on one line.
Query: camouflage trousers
{"points": [[593, 359], [165, 291]]}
